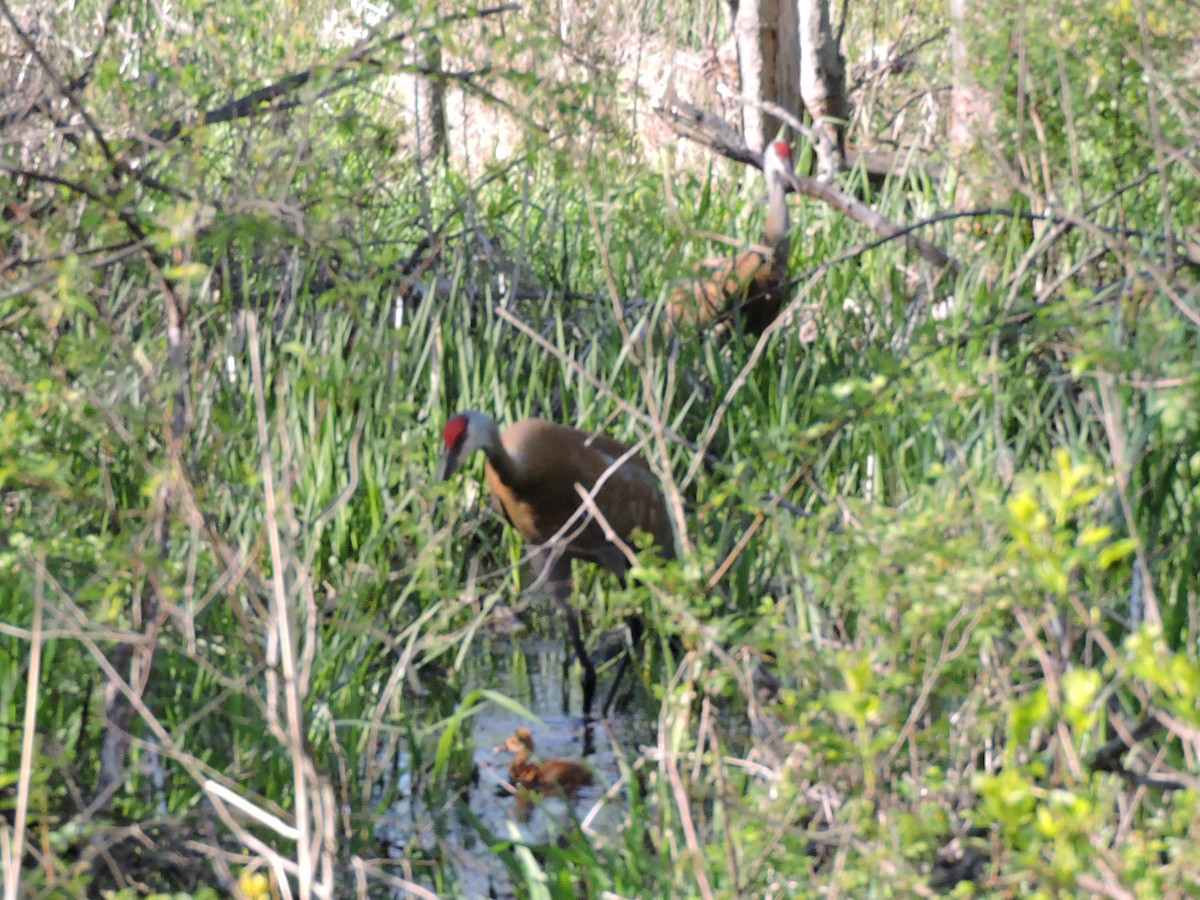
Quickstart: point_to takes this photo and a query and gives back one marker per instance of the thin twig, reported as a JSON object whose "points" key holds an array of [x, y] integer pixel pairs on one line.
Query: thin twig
{"points": [[12, 877], [251, 809], [670, 764], [283, 618]]}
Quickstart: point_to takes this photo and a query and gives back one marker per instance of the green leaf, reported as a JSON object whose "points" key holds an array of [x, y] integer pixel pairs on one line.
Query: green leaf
{"points": [[1115, 552], [1027, 714], [1080, 688]]}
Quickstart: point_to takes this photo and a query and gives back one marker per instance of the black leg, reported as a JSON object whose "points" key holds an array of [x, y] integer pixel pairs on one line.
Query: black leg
{"points": [[587, 677], [566, 683], [612, 691], [558, 583], [588, 742], [634, 623]]}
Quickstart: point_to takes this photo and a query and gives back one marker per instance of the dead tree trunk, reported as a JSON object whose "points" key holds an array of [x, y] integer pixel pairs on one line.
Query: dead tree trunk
{"points": [[970, 110], [823, 82], [429, 98], [767, 36]]}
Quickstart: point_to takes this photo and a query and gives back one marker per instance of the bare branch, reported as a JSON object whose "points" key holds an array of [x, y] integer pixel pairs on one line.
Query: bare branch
{"points": [[694, 123], [354, 63]]}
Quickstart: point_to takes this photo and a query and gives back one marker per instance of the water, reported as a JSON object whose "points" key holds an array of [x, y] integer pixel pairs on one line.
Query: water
{"points": [[532, 674]]}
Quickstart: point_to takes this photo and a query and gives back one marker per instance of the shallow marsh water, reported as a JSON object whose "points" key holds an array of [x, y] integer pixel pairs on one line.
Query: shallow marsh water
{"points": [[532, 674]]}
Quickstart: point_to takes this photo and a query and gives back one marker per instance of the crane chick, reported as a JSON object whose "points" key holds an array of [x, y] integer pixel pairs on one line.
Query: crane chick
{"points": [[549, 776]]}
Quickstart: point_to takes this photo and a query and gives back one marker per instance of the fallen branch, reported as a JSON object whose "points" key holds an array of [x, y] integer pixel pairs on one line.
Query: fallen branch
{"points": [[695, 124], [354, 62], [1108, 757]]}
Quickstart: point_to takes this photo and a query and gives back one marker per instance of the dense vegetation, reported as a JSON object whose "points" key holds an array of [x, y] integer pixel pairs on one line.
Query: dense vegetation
{"points": [[941, 531]]}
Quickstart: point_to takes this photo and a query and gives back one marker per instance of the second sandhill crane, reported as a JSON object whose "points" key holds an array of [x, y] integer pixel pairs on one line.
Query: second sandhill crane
{"points": [[750, 287], [533, 468]]}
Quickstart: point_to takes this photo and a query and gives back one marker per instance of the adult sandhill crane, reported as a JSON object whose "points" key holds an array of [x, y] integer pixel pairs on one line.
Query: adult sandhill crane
{"points": [[532, 470], [752, 285]]}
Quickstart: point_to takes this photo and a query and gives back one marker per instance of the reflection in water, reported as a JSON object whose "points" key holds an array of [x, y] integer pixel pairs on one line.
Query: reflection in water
{"points": [[450, 836]]}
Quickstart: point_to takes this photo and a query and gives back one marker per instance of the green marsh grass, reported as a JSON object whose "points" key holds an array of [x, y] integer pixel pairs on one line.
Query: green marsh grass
{"points": [[926, 533]]}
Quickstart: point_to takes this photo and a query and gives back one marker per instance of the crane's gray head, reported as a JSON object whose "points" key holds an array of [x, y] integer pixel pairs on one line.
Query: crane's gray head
{"points": [[777, 158], [465, 433]]}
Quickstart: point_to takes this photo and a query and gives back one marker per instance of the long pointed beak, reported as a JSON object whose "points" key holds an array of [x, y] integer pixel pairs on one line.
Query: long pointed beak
{"points": [[446, 465]]}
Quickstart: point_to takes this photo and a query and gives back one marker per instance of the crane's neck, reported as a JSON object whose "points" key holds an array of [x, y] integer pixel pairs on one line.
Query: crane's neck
{"points": [[502, 463], [778, 230], [484, 434], [522, 771]]}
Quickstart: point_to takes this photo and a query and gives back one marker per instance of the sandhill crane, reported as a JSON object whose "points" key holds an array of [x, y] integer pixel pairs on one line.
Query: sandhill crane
{"points": [[752, 285], [532, 470]]}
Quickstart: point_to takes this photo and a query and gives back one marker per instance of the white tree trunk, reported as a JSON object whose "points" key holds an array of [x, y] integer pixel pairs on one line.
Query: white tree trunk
{"points": [[769, 58], [970, 110], [823, 82], [429, 99]]}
